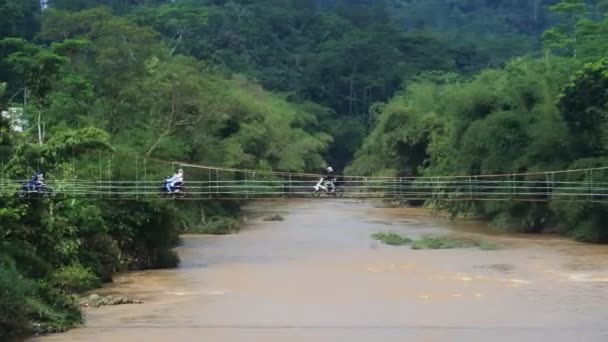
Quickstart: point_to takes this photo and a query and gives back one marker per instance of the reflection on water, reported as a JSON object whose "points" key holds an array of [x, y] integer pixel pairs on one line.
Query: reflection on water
{"points": [[317, 276]]}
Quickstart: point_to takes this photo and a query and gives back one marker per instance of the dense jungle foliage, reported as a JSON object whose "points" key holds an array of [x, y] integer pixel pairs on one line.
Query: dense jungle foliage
{"points": [[532, 114], [398, 87]]}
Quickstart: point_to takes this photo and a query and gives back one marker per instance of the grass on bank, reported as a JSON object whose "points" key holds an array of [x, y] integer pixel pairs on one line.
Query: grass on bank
{"points": [[440, 242], [392, 239], [432, 242]]}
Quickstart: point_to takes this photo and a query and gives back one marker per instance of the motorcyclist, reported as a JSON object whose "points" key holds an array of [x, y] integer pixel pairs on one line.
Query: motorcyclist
{"points": [[37, 182], [175, 181], [328, 179]]}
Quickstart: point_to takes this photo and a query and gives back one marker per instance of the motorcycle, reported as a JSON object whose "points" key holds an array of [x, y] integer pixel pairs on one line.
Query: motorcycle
{"points": [[322, 186], [27, 189], [177, 191]]}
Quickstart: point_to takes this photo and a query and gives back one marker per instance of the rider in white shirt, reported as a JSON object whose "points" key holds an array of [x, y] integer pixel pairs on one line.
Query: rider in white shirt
{"points": [[328, 179], [177, 179]]}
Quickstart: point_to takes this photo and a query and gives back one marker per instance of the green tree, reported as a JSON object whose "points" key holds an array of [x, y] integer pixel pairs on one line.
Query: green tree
{"points": [[20, 18], [565, 36], [34, 70], [501, 121], [181, 25], [584, 106], [172, 96]]}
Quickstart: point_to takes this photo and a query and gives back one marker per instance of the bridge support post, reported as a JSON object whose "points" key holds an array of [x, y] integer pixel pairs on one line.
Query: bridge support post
{"points": [[547, 186], [433, 188], [145, 178], [73, 173], [110, 176], [209, 183], [2, 187], [283, 186], [217, 183], [590, 186], [395, 188], [99, 183], [136, 178]]}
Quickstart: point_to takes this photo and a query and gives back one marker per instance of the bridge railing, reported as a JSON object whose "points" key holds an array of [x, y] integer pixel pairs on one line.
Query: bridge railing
{"points": [[428, 189], [524, 189], [95, 175]]}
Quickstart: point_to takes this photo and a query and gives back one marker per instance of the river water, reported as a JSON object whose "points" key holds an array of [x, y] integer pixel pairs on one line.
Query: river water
{"points": [[317, 276]]}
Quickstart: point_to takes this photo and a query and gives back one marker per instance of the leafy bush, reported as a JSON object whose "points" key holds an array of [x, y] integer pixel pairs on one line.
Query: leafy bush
{"points": [[14, 291], [142, 230], [101, 254], [587, 231], [74, 279], [25, 260], [51, 310]]}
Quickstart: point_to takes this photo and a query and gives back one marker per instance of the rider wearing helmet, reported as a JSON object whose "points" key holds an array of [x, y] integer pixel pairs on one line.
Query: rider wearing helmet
{"points": [[328, 178]]}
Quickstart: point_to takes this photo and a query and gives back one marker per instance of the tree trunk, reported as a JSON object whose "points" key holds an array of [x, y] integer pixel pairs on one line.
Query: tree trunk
{"points": [[351, 95], [39, 127], [157, 142], [178, 41]]}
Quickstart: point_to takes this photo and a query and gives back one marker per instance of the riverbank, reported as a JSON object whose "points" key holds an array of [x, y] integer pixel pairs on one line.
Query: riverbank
{"points": [[318, 275]]}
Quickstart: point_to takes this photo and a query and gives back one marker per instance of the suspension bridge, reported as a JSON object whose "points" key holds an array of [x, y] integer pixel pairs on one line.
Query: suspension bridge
{"points": [[128, 178]]}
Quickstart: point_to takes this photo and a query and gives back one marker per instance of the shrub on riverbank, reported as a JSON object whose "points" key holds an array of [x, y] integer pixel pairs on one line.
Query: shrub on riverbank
{"points": [[51, 310], [14, 291], [432, 242], [30, 306], [52, 250], [446, 242], [392, 239], [74, 279], [440, 242], [217, 226]]}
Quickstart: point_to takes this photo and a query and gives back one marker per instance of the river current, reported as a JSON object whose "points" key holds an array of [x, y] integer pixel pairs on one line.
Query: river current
{"points": [[318, 276]]}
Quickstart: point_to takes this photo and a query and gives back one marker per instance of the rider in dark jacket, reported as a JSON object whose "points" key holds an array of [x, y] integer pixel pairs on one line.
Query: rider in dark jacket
{"points": [[36, 182]]}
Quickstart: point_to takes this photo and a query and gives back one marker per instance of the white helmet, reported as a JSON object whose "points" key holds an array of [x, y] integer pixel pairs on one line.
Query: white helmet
{"points": [[330, 169]]}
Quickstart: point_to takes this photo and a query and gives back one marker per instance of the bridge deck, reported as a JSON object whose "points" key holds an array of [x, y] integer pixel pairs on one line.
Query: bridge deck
{"points": [[384, 188]]}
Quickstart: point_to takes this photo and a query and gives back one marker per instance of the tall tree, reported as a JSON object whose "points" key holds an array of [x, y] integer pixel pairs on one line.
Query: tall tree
{"points": [[20, 18], [564, 36]]}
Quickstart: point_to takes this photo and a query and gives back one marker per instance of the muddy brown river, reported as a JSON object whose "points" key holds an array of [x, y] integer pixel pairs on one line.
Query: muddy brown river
{"points": [[317, 276]]}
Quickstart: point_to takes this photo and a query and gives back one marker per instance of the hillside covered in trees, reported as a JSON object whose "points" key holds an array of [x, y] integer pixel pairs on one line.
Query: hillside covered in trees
{"points": [[533, 114], [391, 87]]}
